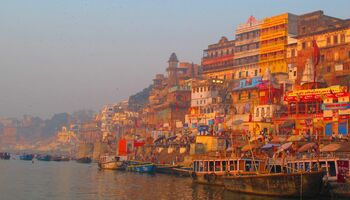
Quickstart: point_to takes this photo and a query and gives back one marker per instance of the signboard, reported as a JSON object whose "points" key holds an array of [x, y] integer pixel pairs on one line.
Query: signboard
{"points": [[336, 106], [343, 170], [316, 94], [338, 67]]}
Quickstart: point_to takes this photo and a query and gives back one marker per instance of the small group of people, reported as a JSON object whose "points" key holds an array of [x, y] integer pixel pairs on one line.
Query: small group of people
{"points": [[338, 137]]}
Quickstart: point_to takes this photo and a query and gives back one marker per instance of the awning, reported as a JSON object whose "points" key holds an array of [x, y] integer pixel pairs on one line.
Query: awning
{"points": [[307, 147], [295, 138], [270, 145], [284, 147], [342, 147]]}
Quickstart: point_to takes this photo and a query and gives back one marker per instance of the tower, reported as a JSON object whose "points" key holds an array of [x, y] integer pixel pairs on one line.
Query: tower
{"points": [[172, 70]]}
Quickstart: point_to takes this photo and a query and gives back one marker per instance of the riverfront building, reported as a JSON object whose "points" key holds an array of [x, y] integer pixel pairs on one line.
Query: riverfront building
{"points": [[218, 60]]}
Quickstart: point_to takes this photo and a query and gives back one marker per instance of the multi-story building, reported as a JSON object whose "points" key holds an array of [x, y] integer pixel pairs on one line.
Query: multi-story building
{"points": [[275, 33], [247, 49], [206, 103], [169, 99], [218, 60], [334, 46]]}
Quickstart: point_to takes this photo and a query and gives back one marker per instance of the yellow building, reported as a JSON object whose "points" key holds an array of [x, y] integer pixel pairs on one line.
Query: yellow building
{"points": [[274, 36], [211, 143]]}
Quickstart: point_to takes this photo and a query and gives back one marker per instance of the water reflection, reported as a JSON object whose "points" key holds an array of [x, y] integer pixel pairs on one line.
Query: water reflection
{"points": [[70, 180]]}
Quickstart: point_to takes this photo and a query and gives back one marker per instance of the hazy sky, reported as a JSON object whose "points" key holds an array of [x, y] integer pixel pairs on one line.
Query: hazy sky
{"points": [[66, 55]]}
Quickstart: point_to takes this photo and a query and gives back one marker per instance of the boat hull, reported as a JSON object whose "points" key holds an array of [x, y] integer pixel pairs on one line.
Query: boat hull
{"points": [[44, 158], [173, 170], [5, 156], [146, 168], [284, 185], [208, 179], [112, 165], [339, 189], [84, 160], [26, 157]]}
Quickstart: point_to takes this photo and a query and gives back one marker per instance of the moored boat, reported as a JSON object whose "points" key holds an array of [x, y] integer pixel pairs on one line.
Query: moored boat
{"points": [[5, 156], [27, 157], [299, 184], [84, 160], [44, 157], [212, 169], [141, 167], [177, 170], [111, 162], [60, 158]]}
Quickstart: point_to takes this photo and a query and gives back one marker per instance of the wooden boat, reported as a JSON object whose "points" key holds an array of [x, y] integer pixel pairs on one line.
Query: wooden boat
{"points": [[141, 167], [5, 156], [60, 158], [27, 157], [84, 160], [183, 171], [44, 157], [111, 162], [299, 184], [173, 170], [165, 168], [337, 189], [211, 170]]}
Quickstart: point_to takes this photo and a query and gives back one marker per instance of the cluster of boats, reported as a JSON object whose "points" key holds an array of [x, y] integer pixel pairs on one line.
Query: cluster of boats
{"points": [[31, 157], [310, 177], [5, 156], [123, 164]]}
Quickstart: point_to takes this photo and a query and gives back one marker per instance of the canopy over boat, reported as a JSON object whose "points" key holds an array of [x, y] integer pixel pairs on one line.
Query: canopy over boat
{"points": [[295, 138], [278, 139], [335, 147], [249, 147], [307, 147], [284, 147], [270, 145]]}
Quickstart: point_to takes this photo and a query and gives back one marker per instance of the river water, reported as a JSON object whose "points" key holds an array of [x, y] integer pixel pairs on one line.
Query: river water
{"points": [[70, 180]]}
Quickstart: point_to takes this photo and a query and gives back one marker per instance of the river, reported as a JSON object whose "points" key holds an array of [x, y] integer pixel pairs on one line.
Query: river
{"points": [[70, 180]]}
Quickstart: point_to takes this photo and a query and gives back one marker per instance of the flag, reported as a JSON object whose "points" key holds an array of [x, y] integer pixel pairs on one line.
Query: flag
{"points": [[316, 53], [315, 57]]}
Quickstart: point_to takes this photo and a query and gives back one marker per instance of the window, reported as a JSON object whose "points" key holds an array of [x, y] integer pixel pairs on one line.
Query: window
{"points": [[225, 77], [295, 73], [293, 53], [328, 69], [239, 74], [342, 38], [256, 72], [303, 45], [335, 39], [262, 112], [246, 73], [349, 54], [322, 58], [303, 29], [328, 40], [257, 112]]}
